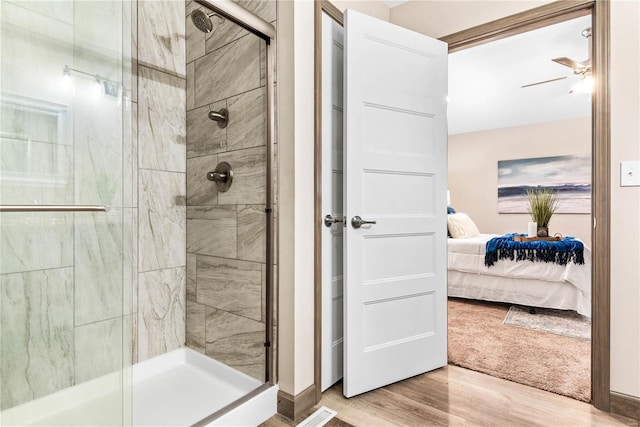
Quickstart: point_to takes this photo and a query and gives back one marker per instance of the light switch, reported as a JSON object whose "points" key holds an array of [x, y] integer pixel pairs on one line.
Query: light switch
{"points": [[629, 174]]}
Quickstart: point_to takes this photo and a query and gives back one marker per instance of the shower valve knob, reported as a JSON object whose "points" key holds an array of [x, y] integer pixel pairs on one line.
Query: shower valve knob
{"points": [[222, 175]]}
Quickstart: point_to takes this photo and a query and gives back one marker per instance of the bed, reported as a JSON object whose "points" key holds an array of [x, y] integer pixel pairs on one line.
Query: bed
{"points": [[534, 284]]}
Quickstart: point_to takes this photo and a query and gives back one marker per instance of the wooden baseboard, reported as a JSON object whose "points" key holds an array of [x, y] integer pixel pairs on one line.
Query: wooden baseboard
{"points": [[625, 405], [292, 407]]}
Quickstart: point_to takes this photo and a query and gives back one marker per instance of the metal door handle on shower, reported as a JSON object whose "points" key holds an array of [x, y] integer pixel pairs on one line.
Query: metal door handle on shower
{"points": [[357, 222]]}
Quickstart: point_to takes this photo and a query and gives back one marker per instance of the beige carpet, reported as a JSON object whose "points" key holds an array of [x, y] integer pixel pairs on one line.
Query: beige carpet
{"points": [[478, 340]]}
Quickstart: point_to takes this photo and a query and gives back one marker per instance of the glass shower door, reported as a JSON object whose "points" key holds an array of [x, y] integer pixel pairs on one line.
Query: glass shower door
{"points": [[65, 296]]}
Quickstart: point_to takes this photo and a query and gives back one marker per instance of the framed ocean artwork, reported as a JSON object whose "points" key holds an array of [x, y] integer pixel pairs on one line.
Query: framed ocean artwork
{"points": [[568, 176]]}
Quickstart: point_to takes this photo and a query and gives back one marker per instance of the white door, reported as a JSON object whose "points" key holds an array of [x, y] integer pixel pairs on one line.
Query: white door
{"points": [[395, 164], [332, 234]]}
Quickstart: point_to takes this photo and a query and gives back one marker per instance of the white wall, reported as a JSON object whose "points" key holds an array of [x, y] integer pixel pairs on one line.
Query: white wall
{"points": [[473, 172], [377, 9], [625, 201], [438, 18], [295, 94]]}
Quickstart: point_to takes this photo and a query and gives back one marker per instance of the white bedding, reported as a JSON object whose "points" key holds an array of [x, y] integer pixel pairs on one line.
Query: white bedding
{"points": [[467, 256]]}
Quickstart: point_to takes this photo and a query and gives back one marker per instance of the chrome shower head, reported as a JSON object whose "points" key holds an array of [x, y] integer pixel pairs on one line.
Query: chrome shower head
{"points": [[202, 20]]}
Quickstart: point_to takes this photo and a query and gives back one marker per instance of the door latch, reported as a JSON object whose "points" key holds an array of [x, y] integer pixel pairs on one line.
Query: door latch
{"points": [[329, 220]]}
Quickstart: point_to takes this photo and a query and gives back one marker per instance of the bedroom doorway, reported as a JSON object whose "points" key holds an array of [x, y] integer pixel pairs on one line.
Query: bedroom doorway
{"points": [[502, 28], [533, 131]]}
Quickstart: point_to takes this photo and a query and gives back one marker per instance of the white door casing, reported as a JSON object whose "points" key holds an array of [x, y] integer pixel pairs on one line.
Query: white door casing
{"points": [[395, 172], [332, 194]]}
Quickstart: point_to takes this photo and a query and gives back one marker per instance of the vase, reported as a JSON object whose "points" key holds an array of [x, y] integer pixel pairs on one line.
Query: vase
{"points": [[543, 231]]}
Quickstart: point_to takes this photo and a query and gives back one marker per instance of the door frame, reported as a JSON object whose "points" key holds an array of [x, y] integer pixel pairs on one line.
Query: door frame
{"points": [[601, 147]]}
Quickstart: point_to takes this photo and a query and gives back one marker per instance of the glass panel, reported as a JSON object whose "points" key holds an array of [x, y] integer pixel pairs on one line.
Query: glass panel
{"points": [[226, 230], [65, 298]]}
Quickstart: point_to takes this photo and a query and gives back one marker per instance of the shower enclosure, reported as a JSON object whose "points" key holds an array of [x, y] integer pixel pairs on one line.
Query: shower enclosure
{"points": [[137, 212]]}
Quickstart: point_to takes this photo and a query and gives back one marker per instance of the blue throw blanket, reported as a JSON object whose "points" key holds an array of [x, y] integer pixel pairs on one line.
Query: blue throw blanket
{"points": [[560, 252]]}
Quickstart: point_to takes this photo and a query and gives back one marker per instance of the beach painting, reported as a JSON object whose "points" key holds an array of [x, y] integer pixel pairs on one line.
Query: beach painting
{"points": [[569, 176]]}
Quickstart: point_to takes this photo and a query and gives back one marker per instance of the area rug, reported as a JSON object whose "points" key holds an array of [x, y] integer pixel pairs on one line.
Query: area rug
{"points": [[479, 341], [559, 322]]}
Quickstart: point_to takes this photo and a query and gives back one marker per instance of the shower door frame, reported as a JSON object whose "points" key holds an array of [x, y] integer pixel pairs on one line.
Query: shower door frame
{"points": [[267, 32]]}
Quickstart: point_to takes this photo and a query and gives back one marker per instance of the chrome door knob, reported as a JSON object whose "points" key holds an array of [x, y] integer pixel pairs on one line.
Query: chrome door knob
{"points": [[357, 222], [329, 220]]}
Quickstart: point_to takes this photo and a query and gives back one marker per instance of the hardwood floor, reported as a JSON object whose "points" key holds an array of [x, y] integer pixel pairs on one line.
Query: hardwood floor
{"points": [[457, 396]]}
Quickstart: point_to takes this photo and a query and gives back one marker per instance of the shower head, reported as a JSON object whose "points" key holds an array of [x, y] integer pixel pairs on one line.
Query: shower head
{"points": [[202, 20]]}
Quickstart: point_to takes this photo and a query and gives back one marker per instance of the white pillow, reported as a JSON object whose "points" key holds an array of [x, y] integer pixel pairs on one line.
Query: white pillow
{"points": [[461, 226]]}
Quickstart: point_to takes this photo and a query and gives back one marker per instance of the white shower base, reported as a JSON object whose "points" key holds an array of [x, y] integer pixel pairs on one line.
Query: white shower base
{"points": [[183, 387], [178, 388]]}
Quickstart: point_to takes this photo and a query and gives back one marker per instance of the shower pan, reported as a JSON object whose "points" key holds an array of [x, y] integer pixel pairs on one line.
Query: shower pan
{"points": [[136, 289]]}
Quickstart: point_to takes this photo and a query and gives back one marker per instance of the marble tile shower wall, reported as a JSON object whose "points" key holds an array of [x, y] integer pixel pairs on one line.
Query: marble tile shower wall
{"points": [[61, 303], [158, 212], [226, 230]]}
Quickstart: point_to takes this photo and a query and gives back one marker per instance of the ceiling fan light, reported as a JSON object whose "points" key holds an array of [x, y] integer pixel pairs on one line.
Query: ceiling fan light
{"points": [[584, 85]]}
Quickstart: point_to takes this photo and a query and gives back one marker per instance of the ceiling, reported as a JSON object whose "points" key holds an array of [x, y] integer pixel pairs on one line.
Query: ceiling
{"points": [[393, 3], [484, 81]]}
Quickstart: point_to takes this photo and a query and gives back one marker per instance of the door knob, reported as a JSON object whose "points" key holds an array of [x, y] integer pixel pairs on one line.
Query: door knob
{"points": [[329, 220], [357, 222]]}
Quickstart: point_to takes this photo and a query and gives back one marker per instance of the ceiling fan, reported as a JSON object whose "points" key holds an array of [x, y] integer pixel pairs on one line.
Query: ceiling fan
{"points": [[580, 69]]}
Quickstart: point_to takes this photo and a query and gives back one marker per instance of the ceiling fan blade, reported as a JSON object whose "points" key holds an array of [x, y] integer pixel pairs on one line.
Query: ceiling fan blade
{"points": [[546, 81], [568, 62]]}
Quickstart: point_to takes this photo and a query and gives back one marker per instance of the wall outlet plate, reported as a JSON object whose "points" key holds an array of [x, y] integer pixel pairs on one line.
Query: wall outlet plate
{"points": [[630, 174]]}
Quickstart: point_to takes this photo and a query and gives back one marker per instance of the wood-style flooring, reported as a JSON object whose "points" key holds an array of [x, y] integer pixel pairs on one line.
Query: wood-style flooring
{"points": [[454, 396]]}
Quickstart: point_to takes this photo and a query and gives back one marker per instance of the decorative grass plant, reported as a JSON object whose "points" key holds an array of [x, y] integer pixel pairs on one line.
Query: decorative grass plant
{"points": [[542, 205]]}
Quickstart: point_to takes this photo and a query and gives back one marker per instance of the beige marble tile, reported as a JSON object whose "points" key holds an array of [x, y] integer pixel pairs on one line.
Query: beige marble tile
{"points": [[98, 32], [161, 126], [204, 136], [36, 357], [130, 261], [98, 152], [36, 241], [130, 157], [134, 50], [98, 349], [161, 32], [249, 176], [47, 167], [230, 285], [162, 220], [98, 266], [228, 71], [251, 233], [35, 49], [228, 31], [225, 33], [248, 125], [191, 102], [236, 341], [212, 231], [161, 314], [201, 191], [190, 6], [191, 277], [58, 10], [196, 315]]}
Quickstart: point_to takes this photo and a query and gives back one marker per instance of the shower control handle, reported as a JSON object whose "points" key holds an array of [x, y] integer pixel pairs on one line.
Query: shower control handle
{"points": [[217, 177], [222, 175], [357, 222]]}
